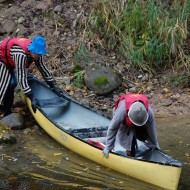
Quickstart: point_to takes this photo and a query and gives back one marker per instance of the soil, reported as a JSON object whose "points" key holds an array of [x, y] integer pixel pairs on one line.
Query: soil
{"points": [[63, 35]]}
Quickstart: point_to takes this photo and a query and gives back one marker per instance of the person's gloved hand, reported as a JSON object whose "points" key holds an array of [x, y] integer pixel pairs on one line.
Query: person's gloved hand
{"points": [[50, 84], [34, 101], [34, 104], [105, 152], [57, 90]]}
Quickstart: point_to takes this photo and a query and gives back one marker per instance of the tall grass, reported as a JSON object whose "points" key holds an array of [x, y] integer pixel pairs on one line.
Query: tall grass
{"points": [[150, 34]]}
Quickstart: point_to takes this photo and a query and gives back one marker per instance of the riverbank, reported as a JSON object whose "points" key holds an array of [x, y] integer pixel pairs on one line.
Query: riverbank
{"points": [[59, 24]]}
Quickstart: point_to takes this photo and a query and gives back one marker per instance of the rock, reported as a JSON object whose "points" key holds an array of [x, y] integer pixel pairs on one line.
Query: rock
{"points": [[2, 30], [102, 80], [8, 138], [84, 101], [20, 31], [120, 66], [21, 20], [43, 5], [133, 89], [9, 26], [145, 78], [165, 90], [140, 76], [58, 8], [131, 85], [15, 121], [167, 103], [67, 80]]}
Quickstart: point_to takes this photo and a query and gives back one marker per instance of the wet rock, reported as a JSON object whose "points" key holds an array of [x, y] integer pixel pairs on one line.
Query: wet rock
{"points": [[15, 121]]}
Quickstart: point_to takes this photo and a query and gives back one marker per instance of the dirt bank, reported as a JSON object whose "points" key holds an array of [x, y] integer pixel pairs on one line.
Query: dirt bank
{"points": [[57, 22]]}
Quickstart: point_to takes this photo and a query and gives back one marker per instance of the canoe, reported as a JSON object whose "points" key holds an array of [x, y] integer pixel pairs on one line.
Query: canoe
{"points": [[83, 130]]}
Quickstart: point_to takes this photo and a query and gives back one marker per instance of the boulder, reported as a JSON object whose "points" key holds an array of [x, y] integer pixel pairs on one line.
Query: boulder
{"points": [[15, 121], [102, 80]]}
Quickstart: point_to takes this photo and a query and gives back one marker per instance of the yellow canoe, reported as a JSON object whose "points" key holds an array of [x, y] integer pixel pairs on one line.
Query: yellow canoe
{"points": [[82, 130]]}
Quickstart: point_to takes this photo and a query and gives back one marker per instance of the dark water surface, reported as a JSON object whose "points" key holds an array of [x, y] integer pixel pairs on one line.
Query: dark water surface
{"points": [[42, 164]]}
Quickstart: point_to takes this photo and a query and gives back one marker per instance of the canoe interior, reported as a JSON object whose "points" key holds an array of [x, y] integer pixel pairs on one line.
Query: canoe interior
{"points": [[87, 125]]}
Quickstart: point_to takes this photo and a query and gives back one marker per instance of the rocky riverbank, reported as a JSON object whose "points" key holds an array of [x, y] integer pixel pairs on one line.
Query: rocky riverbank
{"points": [[58, 22]]}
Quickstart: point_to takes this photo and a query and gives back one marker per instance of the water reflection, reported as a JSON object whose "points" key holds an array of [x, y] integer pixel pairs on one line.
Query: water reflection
{"points": [[174, 135], [41, 163]]}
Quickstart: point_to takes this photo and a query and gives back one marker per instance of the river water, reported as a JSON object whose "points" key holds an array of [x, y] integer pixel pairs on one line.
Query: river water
{"points": [[37, 162]]}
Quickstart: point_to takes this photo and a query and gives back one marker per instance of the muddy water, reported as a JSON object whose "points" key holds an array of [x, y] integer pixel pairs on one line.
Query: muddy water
{"points": [[41, 163]]}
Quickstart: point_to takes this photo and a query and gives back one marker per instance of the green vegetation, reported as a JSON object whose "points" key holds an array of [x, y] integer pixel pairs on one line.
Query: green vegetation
{"points": [[78, 76], [179, 80], [78, 79], [150, 34], [101, 80], [2, 127], [82, 55]]}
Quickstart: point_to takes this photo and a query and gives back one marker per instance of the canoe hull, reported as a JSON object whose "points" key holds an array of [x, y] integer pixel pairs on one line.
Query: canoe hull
{"points": [[163, 176]]}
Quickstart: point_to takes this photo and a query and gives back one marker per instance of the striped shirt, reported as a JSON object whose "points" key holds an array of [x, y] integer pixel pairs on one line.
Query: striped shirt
{"points": [[21, 59]]}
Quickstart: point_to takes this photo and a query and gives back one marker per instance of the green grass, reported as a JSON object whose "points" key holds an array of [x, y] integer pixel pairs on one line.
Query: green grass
{"points": [[149, 34]]}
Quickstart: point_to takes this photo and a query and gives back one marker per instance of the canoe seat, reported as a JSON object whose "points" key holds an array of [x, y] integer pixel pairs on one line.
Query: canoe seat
{"points": [[53, 102], [85, 133]]}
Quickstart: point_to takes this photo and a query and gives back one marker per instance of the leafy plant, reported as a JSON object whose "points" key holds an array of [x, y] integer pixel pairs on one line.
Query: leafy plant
{"points": [[78, 79]]}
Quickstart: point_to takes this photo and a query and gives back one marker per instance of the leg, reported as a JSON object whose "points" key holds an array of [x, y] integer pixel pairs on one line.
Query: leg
{"points": [[9, 96]]}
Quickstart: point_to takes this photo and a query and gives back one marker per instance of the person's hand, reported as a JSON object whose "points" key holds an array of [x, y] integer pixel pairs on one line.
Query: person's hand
{"points": [[57, 90], [34, 101], [50, 84], [105, 152], [34, 104]]}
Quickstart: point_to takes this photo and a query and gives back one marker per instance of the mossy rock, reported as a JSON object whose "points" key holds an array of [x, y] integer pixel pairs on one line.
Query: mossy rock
{"points": [[101, 80]]}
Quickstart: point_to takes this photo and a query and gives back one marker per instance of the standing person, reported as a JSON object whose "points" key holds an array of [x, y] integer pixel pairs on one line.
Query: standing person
{"points": [[16, 55], [133, 118]]}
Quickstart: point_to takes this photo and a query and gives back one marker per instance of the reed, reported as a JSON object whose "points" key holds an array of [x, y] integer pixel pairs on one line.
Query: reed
{"points": [[150, 34]]}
